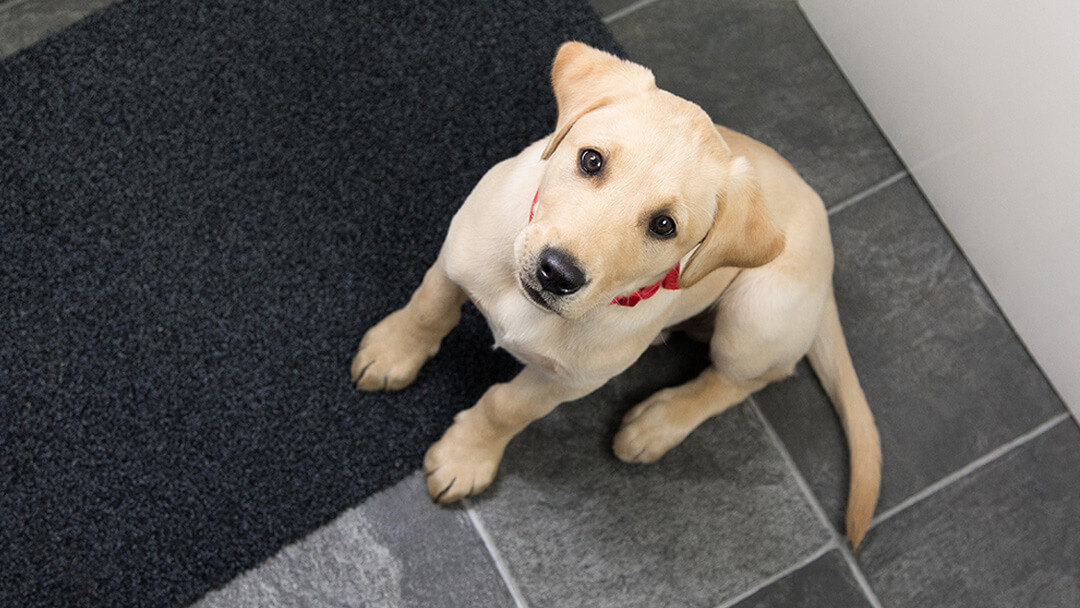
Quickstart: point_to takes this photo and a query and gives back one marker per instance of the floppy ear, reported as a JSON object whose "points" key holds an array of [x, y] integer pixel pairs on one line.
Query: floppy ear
{"points": [[743, 233], [585, 79]]}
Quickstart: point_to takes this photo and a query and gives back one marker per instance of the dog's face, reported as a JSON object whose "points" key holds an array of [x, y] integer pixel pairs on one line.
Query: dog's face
{"points": [[635, 179], [627, 193]]}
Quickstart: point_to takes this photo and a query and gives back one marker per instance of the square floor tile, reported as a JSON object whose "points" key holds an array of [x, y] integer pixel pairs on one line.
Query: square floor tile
{"points": [[397, 549], [1002, 537], [827, 581], [945, 376], [578, 527], [757, 67]]}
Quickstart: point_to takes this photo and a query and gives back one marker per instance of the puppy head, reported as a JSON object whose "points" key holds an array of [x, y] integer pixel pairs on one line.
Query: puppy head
{"points": [[635, 179]]}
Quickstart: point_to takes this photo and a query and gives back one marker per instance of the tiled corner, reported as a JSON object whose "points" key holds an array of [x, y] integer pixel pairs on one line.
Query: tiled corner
{"points": [[827, 581], [757, 67], [396, 549], [713, 517], [23, 22], [946, 378], [1002, 537]]}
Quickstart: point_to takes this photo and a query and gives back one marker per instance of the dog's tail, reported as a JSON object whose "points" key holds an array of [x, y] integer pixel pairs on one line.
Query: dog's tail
{"points": [[831, 361]]}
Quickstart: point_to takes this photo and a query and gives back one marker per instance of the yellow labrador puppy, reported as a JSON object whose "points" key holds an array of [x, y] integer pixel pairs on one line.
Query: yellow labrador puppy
{"points": [[637, 214]]}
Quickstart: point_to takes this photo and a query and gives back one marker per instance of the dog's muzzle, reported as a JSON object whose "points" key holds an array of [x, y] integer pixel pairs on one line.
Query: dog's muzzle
{"points": [[554, 276]]}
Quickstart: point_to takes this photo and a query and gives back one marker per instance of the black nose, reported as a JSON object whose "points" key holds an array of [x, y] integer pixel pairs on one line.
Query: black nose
{"points": [[558, 273]]}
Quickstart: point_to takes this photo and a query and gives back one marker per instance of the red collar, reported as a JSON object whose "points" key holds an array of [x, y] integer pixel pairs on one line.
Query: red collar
{"points": [[670, 280], [532, 207]]}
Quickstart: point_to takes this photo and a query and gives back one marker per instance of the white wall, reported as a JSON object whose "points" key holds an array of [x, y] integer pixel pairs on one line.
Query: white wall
{"points": [[981, 99]]}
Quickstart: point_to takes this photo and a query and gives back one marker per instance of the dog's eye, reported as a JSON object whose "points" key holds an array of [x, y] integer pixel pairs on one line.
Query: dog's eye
{"points": [[662, 226], [591, 161]]}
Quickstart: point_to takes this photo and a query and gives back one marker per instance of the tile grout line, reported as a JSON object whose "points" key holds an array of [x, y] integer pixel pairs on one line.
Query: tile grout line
{"points": [[860, 576], [804, 486], [970, 468], [851, 200], [828, 546], [619, 14], [496, 555], [837, 540]]}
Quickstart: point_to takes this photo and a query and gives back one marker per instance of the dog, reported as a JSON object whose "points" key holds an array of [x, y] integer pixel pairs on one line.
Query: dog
{"points": [[637, 214]]}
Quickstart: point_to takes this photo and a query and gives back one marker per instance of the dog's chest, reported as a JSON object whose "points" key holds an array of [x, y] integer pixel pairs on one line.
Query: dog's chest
{"points": [[520, 329], [581, 352]]}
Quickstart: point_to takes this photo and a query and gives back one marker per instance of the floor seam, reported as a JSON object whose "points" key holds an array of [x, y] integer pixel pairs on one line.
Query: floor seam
{"points": [[622, 12], [804, 486], [838, 540], [970, 468], [496, 556], [852, 200], [860, 576], [828, 546]]}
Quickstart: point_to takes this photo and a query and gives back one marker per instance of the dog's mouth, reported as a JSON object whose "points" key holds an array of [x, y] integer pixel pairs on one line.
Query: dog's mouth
{"points": [[536, 296]]}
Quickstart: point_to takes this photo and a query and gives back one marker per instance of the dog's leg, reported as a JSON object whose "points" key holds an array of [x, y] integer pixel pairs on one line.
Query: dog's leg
{"points": [[392, 352], [465, 460], [663, 420]]}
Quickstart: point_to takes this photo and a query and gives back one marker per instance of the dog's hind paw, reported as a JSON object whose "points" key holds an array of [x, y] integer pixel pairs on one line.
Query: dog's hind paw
{"points": [[391, 355]]}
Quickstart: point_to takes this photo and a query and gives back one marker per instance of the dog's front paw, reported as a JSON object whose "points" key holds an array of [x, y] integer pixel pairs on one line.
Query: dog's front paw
{"points": [[649, 430], [460, 465], [391, 354]]}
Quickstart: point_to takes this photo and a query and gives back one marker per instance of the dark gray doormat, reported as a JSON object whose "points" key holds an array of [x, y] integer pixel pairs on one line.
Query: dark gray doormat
{"points": [[201, 209]]}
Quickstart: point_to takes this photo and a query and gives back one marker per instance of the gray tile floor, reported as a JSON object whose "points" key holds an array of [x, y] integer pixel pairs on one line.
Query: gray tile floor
{"points": [[981, 497]]}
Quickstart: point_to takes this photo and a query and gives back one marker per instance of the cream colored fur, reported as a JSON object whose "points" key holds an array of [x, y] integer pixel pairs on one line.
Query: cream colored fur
{"points": [[752, 241]]}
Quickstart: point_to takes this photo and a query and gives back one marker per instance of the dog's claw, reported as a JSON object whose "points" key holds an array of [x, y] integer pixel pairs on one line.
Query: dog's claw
{"points": [[438, 497], [356, 379]]}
